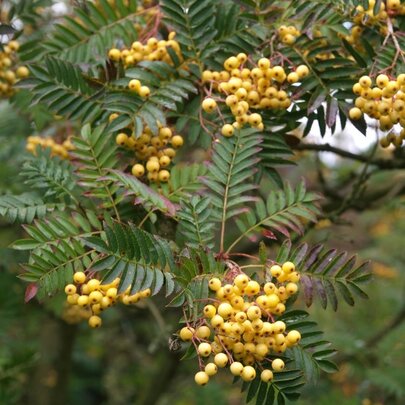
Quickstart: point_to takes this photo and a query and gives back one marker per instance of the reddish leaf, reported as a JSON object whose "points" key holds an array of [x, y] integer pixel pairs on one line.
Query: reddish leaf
{"points": [[30, 292], [269, 234]]}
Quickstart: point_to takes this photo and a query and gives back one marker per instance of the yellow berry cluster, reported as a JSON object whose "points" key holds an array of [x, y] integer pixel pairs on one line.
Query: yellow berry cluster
{"points": [[9, 73], [153, 50], [238, 328], [95, 297], [154, 153], [73, 314], [261, 87], [136, 86], [367, 17], [383, 100], [57, 149], [288, 34]]}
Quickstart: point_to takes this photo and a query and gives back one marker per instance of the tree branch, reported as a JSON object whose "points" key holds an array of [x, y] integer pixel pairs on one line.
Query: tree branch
{"points": [[386, 164]]}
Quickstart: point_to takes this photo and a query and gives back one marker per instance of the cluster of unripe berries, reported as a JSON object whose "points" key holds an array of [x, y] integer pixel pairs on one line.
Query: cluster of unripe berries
{"points": [[261, 87], [95, 297], [57, 149], [383, 100], [288, 34], [9, 73], [154, 153], [238, 330], [152, 50]]}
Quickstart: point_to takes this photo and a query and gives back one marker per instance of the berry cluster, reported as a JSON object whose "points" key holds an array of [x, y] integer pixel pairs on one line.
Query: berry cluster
{"points": [[153, 50], [368, 18], [136, 86], [9, 73], [57, 149], [262, 87], [153, 154], [288, 34], [238, 328], [73, 314], [96, 297], [384, 101]]}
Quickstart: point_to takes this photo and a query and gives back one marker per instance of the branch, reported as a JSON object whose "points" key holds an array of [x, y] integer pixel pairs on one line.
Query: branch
{"points": [[381, 163]]}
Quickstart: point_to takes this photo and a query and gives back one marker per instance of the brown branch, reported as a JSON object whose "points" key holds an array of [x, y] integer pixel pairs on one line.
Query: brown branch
{"points": [[385, 164]]}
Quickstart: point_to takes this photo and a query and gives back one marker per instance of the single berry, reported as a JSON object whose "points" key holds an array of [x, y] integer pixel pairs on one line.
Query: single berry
{"points": [[95, 321], [201, 378], [79, 277]]}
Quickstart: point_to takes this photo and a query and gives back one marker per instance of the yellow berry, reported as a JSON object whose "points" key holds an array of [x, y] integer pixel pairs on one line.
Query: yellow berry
{"points": [[177, 141], [255, 119], [355, 113], [263, 63], [291, 288], [138, 170], [145, 293], [241, 281], [211, 369], [225, 310], [293, 77], [112, 117], [83, 300], [276, 270], [152, 166], [201, 378], [266, 375], [227, 130], [277, 365], [134, 85], [112, 293], [288, 267], [95, 297], [248, 373], [203, 332], [209, 105], [79, 277], [144, 91], [221, 360], [186, 333], [95, 321], [365, 81], [254, 312], [279, 327], [114, 54], [85, 289], [72, 299], [293, 336], [164, 176], [206, 76], [22, 72], [302, 71], [214, 284], [217, 321], [236, 368], [93, 284], [209, 311], [204, 349], [121, 139], [70, 289]]}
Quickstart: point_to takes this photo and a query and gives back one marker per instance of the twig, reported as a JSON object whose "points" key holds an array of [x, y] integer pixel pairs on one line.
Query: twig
{"points": [[381, 163]]}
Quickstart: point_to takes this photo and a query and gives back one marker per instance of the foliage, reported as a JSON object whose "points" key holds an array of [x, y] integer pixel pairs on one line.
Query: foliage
{"points": [[228, 206]]}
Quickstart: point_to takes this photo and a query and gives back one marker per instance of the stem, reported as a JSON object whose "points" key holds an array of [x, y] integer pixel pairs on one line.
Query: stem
{"points": [[381, 163], [225, 206]]}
